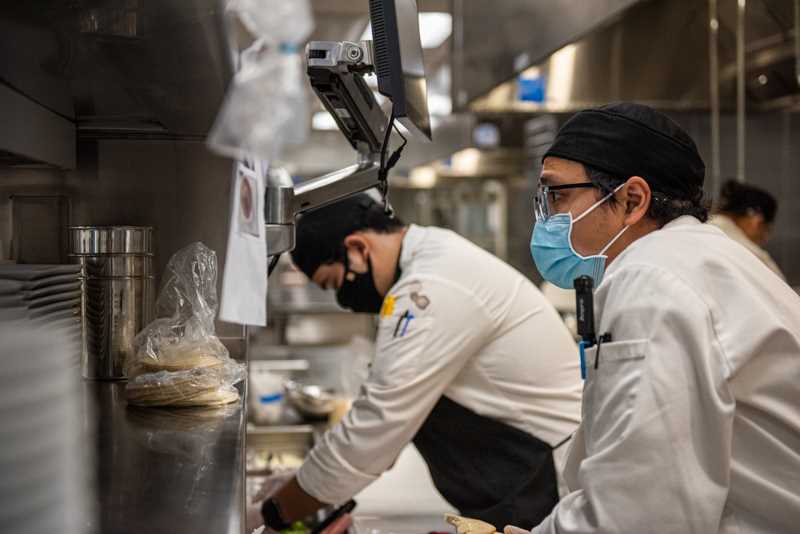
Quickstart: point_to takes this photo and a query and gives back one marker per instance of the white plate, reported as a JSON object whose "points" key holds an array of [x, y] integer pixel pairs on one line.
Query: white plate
{"points": [[24, 272], [35, 302], [56, 289], [55, 315], [69, 304]]}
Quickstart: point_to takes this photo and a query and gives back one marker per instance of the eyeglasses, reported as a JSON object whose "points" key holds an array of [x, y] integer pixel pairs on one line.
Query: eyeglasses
{"points": [[546, 195]]}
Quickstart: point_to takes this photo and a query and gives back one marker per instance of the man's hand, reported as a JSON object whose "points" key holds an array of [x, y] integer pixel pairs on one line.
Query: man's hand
{"points": [[271, 485], [294, 503]]}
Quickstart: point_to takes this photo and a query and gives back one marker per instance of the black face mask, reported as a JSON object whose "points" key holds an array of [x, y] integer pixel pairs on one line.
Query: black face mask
{"points": [[360, 294]]}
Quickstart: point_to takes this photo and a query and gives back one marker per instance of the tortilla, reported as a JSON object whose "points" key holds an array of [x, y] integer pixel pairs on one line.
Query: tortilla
{"points": [[465, 525]]}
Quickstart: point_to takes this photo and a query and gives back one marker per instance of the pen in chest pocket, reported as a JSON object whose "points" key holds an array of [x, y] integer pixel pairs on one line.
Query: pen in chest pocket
{"points": [[584, 308], [401, 327]]}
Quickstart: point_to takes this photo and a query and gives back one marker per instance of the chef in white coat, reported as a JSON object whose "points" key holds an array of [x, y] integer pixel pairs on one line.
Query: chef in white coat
{"points": [[691, 406], [746, 214], [472, 365]]}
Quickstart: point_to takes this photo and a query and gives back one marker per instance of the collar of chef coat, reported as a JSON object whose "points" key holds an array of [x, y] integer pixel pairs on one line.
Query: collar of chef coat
{"points": [[415, 235], [683, 220]]}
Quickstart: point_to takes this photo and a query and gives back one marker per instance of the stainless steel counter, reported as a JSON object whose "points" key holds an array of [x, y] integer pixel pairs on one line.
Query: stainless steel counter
{"points": [[165, 471]]}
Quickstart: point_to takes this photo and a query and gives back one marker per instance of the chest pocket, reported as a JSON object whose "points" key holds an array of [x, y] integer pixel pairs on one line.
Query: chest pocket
{"points": [[612, 386]]}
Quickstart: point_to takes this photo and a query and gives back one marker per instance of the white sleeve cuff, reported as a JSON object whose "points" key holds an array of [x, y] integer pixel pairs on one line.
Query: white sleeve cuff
{"points": [[329, 478]]}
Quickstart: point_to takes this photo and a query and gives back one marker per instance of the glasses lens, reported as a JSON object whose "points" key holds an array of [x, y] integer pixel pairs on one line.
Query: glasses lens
{"points": [[541, 209]]}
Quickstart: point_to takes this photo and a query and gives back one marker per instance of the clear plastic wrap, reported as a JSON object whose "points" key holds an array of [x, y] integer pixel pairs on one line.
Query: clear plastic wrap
{"points": [[278, 21], [178, 359], [266, 106]]}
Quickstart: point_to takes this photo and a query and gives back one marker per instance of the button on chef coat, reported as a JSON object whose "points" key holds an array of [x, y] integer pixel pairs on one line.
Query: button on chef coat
{"points": [[691, 416], [459, 322]]}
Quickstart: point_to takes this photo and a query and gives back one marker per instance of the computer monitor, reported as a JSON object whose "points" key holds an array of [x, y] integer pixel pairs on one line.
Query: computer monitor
{"points": [[398, 61]]}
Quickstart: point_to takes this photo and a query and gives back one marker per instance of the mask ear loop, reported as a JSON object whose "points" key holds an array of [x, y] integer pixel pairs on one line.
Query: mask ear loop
{"points": [[614, 240], [582, 215], [593, 206]]}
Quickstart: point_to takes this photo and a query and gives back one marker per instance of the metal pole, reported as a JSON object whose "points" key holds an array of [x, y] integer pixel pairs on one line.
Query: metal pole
{"points": [[740, 102], [713, 64]]}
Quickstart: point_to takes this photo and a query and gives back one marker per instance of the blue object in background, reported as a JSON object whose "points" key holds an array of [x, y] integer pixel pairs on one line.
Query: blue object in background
{"points": [[531, 89]]}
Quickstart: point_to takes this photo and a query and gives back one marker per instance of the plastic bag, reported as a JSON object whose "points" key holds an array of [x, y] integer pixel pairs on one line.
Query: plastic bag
{"points": [[266, 106], [193, 387], [277, 21], [267, 103], [178, 359]]}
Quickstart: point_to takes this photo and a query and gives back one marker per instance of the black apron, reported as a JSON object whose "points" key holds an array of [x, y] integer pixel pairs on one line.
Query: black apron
{"points": [[488, 470]]}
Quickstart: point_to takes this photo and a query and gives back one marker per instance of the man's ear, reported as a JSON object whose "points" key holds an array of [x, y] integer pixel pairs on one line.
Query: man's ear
{"points": [[637, 197], [357, 248]]}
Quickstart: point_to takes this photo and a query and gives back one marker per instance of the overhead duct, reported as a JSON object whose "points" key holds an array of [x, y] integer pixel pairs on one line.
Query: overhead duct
{"points": [[657, 53], [496, 40]]}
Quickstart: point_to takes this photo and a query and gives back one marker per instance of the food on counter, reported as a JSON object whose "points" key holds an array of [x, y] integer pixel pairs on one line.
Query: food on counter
{"points": [[179, 360], [298, 527], [272, 463], [207, 386], [181, 357], [465, 525]]}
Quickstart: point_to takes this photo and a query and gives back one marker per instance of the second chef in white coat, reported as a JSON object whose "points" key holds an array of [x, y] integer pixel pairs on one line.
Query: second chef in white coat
{"points": [[691, 410]]}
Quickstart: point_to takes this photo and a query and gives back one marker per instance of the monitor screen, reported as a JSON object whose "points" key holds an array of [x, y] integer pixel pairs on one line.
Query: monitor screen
{"points": [[398, 61]]}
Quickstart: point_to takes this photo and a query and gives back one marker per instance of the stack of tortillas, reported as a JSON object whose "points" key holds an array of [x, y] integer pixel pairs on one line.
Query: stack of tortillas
{"points": [[175, 359], [181, 376], [465, 525]]}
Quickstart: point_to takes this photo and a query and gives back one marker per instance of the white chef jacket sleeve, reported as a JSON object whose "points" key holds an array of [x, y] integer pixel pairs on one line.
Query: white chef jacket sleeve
{"points": [[429, 328], [657, 415]]}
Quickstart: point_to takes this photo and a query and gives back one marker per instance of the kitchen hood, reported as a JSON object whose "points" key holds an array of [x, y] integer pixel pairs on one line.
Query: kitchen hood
{"points": [[656, 52], [115, 68]]}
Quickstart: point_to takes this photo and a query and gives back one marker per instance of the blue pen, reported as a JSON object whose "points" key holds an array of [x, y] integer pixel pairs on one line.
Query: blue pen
{"points": [[582, 350], [405, 326]]}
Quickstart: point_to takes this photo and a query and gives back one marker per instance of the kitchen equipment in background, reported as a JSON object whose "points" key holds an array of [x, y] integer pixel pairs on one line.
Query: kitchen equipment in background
{"points": [[119, 287], [43, 458], [47, 296], [37, 228], [265, 392], [311, 400]]}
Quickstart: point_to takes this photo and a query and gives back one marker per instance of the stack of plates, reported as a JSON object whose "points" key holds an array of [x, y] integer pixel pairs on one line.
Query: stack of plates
{"points": [[46, 296], [42, 462]]}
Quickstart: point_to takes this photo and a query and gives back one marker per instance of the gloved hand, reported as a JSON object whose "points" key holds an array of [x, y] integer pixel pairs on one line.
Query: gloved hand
{"points": [[339, 526], [271, 485]]}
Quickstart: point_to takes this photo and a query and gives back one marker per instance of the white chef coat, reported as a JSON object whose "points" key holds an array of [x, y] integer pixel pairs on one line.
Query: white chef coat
{"points": [[691, 419], [732, 230], [479, 333]]}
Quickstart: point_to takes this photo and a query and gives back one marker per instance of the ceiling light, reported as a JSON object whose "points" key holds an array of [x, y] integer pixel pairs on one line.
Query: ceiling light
{"points": [[434, 28], [423, 177], [439, 104]]}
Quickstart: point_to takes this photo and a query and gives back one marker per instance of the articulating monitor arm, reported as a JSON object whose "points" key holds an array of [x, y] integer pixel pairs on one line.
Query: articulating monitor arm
{"points": [[336, 71]]}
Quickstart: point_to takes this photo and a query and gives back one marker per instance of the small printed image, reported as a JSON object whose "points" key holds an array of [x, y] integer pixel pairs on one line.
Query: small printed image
{"points": [[248, 205]]}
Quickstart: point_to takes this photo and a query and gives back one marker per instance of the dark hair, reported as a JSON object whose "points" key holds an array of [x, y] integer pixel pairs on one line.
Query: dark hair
{"points": [[663, 208], [320, 234], [741, 199]]}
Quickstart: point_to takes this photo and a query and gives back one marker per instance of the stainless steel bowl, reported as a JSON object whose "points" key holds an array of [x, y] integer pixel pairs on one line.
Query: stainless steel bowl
{"points": [[310, 400]]}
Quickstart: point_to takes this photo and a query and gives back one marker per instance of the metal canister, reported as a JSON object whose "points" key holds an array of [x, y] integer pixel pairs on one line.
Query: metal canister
{"points": [[119, 293]]}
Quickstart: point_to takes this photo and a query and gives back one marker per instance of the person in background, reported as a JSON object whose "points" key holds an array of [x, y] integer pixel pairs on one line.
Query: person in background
{"points": [[746, 214], [472, 365], [691, 402]]}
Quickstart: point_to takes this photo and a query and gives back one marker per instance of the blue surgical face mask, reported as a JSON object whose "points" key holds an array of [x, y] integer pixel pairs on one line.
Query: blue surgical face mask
{"points": [[554, 255]]}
